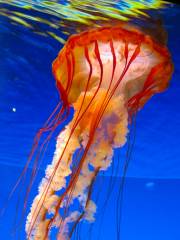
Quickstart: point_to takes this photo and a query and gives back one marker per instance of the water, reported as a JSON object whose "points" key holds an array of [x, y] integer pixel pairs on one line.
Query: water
{"points": [[28, 96]]}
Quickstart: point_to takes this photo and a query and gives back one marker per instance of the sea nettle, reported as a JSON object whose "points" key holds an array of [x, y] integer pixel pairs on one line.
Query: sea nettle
{"points": [[106, 74]]}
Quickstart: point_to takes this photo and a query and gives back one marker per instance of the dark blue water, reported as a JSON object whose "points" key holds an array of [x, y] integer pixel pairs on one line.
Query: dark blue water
{"points": [[27, 97]]}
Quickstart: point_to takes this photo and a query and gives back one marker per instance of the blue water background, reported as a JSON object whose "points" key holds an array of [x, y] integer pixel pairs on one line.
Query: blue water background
{"points": [[28, 95]]}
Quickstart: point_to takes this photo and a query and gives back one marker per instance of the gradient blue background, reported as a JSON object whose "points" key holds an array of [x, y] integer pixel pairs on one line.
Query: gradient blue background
{"points": [[151, 209]]}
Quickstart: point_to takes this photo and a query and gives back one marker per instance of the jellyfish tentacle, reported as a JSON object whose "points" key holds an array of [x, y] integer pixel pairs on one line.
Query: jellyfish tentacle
{"points": [[89, 77], [37, 152], [73, 181], [87, 202], [34, 147], [41, 151], [57, 183], [96, 151], [74, 178], [73, 128], [88, 159]]}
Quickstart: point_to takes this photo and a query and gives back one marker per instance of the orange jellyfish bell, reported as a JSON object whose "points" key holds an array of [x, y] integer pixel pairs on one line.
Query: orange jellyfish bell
{"points": [[106, 74], [139, 66]]}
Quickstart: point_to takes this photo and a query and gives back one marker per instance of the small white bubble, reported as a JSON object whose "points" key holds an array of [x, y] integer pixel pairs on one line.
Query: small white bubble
{"points": [[14, 109]]}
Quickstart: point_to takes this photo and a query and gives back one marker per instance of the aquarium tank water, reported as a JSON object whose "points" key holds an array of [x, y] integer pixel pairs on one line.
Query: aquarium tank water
{"points": [[89, 120]]}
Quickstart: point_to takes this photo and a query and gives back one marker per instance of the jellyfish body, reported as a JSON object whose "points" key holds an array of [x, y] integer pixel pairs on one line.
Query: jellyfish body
{"points": [[107, 75]]}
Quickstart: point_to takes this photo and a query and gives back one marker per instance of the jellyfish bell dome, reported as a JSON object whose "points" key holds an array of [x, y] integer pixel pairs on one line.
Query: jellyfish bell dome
{"points": [[122, 56]]}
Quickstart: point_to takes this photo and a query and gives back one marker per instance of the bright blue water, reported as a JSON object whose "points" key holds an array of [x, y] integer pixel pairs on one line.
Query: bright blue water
{"points": [[28, 95]]}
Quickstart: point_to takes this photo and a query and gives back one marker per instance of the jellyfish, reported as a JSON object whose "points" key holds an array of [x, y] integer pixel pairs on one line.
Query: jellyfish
{"points": [[106, 74]]}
